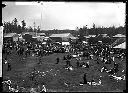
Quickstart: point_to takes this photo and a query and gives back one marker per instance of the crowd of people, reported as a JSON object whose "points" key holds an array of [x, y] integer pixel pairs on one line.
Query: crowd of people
{"points": [[100, 53]]}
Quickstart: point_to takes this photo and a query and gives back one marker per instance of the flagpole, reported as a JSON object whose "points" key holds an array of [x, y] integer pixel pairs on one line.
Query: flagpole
{"points": [[41, 15]]}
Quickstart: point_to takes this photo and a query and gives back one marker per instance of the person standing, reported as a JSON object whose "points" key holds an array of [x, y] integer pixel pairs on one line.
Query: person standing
{"points": [[39, 53], [87, 64], [77, 63], [44, 89], [109, 60], [85, 79], [64, 58], [91, 56], [116, 67], [39, 60], [57, 59], [68, 63], [9, 67], [26, 52], [97, 60], [42, 53]]}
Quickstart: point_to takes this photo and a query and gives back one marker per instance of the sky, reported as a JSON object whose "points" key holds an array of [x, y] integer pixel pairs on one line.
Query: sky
{"points": [[66, 15]]}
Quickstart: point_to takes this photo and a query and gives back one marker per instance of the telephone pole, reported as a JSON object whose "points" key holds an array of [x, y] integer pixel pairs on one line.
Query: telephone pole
{"points": [[41, 14], [35, 28], [34, 25]]}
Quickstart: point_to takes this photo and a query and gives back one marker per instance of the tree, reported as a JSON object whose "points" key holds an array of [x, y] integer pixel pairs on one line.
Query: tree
{"points": [[14, 25], [30, 29], [19, 29], [94, 29], [8, 27], [81, 32], [15, 22], [85, 30], [5, 27], [94, 26], [23, 25]]}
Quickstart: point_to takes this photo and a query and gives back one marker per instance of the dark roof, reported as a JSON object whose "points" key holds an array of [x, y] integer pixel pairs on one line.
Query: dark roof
{"points": [[118, 41]]}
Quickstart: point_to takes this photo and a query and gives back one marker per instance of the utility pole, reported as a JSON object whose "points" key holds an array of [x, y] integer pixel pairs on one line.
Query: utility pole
{"points": [[41, 14], [35, 27], [86, 33]]}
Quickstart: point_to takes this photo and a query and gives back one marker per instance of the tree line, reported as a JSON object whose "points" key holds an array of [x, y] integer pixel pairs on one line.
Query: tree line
{"points": [[13, 27], [110, 31]]}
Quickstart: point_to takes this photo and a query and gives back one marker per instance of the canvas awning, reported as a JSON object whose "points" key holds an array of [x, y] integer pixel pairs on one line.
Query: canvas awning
{"points": [[100, 41], [11, 35], [122, 46], [74, 37], [40, 34], [67, 35], [65, 43], [119, 35], [85, 42], [118, 42], [44, 43]]}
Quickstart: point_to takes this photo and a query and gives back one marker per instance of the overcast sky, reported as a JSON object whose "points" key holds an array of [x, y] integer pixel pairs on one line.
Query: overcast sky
{"points": [[66, 15]]}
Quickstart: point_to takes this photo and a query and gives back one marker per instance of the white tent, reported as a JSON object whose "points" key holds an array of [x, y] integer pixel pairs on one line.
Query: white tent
{"points": [[65, 43], [63, 36], [119, 35], [11, 35], [85, 42], [118, 41], [100, 41], [21, 38], [122, 46], [43, 43], [15, 36]]}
